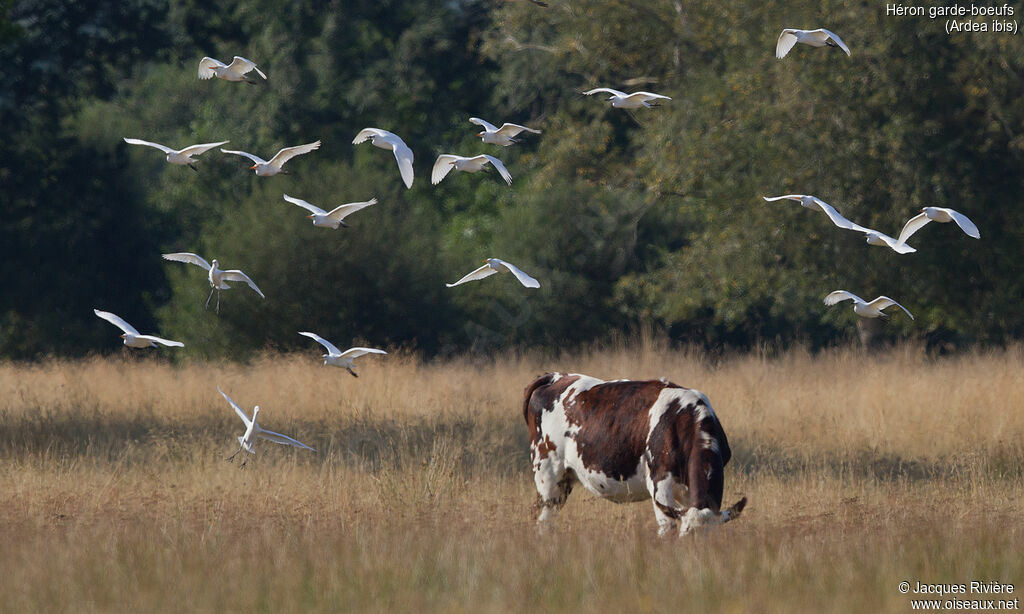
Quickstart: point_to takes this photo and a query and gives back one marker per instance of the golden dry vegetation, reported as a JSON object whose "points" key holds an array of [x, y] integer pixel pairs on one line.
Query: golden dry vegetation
{"points": [[862, 471]]}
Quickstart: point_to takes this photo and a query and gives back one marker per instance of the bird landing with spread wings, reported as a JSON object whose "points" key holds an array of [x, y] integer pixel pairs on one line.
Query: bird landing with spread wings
{"points": [[337, 358], [247, 441], [132, 338], [496, 265], [217, 276], [178, 156], [235, 71], [503, 136], [390, 141], [446, 162], [272, 167]]}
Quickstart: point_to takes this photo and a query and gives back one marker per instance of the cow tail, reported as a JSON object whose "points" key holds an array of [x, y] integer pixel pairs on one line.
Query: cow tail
{"points": [[543, 380]]}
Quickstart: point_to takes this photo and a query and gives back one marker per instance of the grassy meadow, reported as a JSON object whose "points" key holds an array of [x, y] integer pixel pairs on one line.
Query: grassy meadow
{"points": [[862, 471]]}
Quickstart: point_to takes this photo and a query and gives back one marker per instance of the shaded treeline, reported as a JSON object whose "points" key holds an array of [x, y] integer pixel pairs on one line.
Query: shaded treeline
{"points": [[650, 219]]}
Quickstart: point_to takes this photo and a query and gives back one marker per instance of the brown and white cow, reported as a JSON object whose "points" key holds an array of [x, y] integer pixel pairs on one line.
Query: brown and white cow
{"points": [[628, 441]]}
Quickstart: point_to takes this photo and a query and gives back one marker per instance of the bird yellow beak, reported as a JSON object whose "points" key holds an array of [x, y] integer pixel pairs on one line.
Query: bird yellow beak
{"points": [[309, 217], [252, 167], [479, 133]]}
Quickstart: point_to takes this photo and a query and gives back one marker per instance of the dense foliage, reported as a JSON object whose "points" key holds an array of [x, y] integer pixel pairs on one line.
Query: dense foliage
{"points": [[631, 220]]}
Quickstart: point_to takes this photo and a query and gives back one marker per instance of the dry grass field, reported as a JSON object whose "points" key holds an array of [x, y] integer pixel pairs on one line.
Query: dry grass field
{"points": [[861, 471]]}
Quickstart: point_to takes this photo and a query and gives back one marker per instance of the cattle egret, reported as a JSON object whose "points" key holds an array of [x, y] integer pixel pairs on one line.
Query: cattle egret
{"points": [[622, 100], [236, 71], [495, 265], [938, 214], [816, 204], [178, 156], [337, 358], [815, 38], [873, 237], [131, 337], [334, 217], [253, 430], [218, 277], [862, 308], [446, 162], [503, 136], [389, 140], [264, 168]]}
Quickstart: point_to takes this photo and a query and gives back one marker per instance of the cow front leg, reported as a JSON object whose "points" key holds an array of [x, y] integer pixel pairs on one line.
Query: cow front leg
{"points": [[666, 510]]}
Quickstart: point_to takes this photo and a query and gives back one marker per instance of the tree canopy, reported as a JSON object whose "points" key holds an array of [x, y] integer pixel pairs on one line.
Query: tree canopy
{"points": [[648, 218]]}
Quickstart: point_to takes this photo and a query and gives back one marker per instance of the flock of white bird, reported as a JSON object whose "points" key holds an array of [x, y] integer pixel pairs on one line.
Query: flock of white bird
{"points": [[239, 71]]}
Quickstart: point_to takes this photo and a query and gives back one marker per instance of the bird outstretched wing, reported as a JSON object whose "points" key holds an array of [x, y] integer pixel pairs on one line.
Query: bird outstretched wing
{"points": [[254, 158], [236, 275], [842, 295], [290, 152], [498, 164], [442, 166], [238, 410], [482, 272], [305, 205], [241, 66], [162, 148], [206, 66], [331, 348], [117, 321], [189, 258], [523, 278]]}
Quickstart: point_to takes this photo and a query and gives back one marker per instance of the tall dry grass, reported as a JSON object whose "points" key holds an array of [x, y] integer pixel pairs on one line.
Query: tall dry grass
{"points": [[862, 471]]}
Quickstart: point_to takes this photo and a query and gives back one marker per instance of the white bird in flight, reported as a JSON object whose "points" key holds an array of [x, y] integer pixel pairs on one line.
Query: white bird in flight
{"points": [[389, 140], [332, 218], [217, 276], [495, 265], [938, 214], [236, 71], [622, 100], [503, 136], [815, 38], [178, 156], [816, 204], [253, 430], [865, 309], [337, 358], [873, 237], [446, 162], [131, 337], [264, 168]]}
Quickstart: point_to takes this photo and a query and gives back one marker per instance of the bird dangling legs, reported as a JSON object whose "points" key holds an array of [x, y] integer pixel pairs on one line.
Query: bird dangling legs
{"points": [[207, 305]]}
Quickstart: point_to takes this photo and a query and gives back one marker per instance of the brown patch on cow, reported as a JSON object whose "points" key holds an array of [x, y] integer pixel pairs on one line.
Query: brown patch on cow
{"points": [[671, 442], [613, 420], [544, 447]]}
